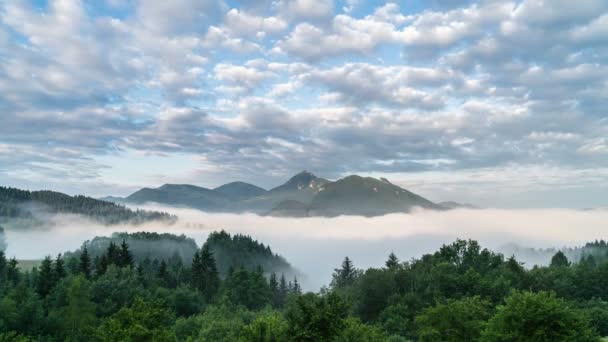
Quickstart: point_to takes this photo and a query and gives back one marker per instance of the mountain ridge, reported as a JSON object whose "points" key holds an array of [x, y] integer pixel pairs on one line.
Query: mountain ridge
{"points": [[302, 195]]}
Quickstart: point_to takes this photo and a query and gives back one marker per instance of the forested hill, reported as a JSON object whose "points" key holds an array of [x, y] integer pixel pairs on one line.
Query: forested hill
{"points": [[243, 251], [23, 204], [230, 252]]}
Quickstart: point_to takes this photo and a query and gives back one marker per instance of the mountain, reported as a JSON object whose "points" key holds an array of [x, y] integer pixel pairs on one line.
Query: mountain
{"points": [[456, 205], [301, 187], [302, 195], [29, 208], [240, 190], [356, 195], [182, 195], [289, 208]]}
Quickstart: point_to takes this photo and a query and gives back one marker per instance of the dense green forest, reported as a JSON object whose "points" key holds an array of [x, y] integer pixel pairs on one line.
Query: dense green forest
{"points": [[25, 207], [462, 292]]}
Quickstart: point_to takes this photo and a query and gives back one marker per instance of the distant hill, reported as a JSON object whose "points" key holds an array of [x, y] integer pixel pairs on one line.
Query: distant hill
{"points": [[302, 195], [182, 195], [144, 245], [29, 207], [229, 251], [355, 195], [240, 190]]}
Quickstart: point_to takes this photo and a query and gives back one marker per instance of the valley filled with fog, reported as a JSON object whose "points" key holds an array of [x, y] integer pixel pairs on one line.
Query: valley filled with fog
{"points": [[316, 245]]}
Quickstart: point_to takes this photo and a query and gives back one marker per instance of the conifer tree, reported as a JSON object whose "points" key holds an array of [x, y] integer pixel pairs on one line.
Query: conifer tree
{"points": [[344, 276], [211, 278], [59, 271], [125, 257], [113, 254], [85, 263], [45, 281], [392, 261], [296, 287], [283, 289], [273, 283]]}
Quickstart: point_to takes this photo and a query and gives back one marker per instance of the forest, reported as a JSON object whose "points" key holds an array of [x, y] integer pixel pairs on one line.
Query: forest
{"points": [[26, 207], [117, 289]]}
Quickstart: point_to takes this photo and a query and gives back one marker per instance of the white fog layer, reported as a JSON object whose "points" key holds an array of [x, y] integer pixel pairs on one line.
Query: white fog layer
{"points": [[316, 246]]}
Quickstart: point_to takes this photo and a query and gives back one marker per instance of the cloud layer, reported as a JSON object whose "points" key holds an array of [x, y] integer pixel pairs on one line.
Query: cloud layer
{"points": [[260, 90], [317, 245]]}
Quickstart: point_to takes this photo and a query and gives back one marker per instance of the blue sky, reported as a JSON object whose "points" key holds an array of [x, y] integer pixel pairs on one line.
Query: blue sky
{"points": [[499, 103]]}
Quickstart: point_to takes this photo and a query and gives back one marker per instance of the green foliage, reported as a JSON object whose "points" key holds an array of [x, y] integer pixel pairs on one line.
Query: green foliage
{"points": [[270, 326], [356, 331], [249, 289], [456, 320], [528, 316], [316, 318], [205, 276], [143, 321]]}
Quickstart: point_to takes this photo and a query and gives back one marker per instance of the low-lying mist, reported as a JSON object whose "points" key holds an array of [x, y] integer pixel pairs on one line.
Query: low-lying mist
{"points": [[316, 246]]}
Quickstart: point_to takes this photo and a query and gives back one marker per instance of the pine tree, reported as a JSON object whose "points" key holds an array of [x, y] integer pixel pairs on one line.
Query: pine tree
{"points": [[124, 255], [283, 289], [85, 263], [273, 283], [113, 254], [59, 271], [344, 276], [296, 287], [45, 281], [211, 282], [392, 261], [559, 260], [197, 274]]}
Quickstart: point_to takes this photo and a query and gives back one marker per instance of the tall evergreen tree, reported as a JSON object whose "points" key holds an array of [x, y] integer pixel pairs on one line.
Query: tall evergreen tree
{"points": [[124, 255], [113, 254], [45, 280], [392, 261], [344, 276], [85, 263], [273, 283], [296, 286], [211, 281], [559, 260], [283, 289], [59, 271]]}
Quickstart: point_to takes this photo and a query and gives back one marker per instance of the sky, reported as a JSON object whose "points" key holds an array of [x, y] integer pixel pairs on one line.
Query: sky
{"points": [[496, 103]]}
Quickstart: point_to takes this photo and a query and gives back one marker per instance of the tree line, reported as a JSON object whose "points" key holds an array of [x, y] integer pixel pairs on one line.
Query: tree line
{"points": [[25, 205]]}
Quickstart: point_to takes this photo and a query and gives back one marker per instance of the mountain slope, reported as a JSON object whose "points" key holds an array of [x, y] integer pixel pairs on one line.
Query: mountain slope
{"points": [[301, 188], [182, 195], [240, 190], [355, 195], [31, 205]]}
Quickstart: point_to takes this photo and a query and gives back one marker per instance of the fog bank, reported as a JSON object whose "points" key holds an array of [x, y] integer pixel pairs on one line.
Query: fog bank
{"points": [[316, 246]]}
